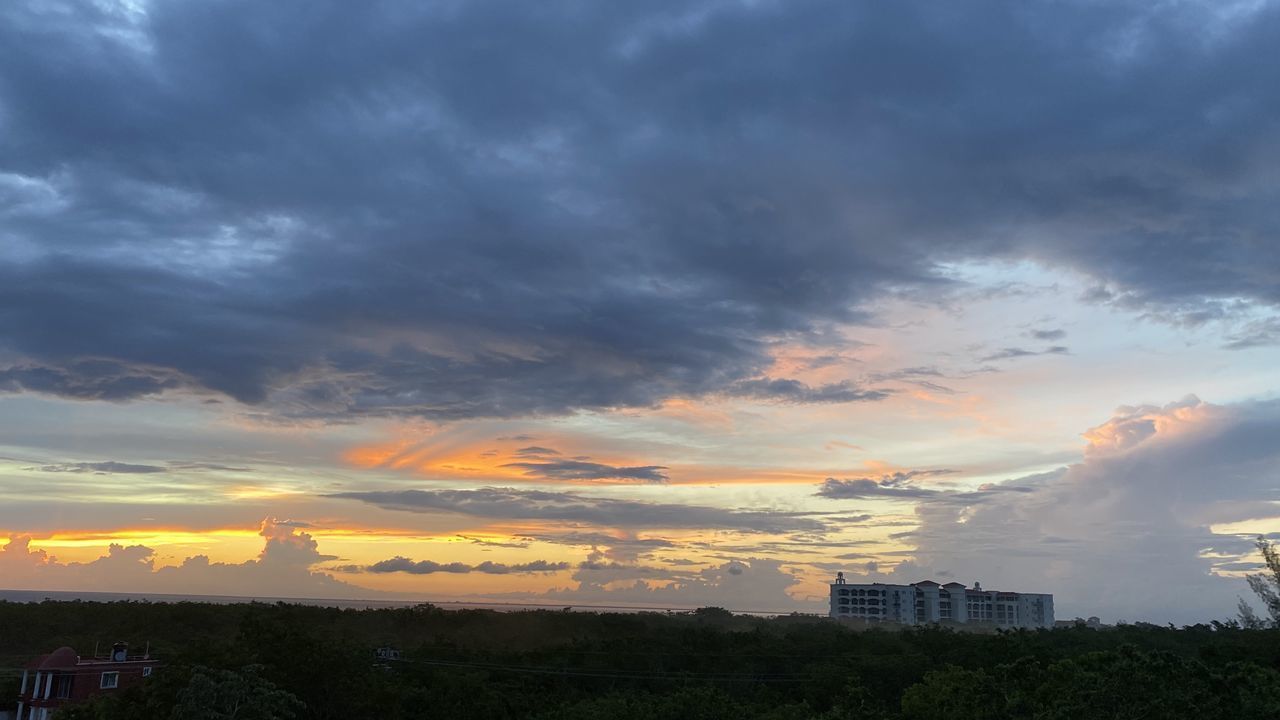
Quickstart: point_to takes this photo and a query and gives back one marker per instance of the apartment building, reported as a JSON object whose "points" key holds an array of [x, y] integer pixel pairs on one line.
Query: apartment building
{"points": [[927, 602]]}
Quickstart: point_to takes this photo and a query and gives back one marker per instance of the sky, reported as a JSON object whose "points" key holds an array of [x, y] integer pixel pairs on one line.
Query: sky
{"points": [[663, 304]]}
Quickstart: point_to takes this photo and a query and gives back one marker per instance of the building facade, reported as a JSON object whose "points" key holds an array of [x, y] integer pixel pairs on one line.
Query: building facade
{"points": [[62, 678], [928, 602]]}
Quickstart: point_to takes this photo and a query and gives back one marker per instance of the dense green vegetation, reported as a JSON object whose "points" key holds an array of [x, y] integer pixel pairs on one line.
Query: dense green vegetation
{"points": [[258, 662]]}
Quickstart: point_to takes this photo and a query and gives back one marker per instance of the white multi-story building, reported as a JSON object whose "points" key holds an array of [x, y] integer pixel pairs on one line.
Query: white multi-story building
{"points": [[928, 602]]}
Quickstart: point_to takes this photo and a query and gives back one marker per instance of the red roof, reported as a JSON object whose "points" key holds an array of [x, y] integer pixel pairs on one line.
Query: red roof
{"points": [[63, 657]]}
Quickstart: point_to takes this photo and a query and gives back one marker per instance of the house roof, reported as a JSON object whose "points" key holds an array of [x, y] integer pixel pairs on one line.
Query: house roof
{"points": [[63, 657], [66, 658]]}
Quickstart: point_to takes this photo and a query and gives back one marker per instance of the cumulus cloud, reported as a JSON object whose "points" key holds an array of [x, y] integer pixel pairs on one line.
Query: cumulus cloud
{"points": [[620, 213], [516, 504], [748, 584], [282, 569], [1127, 531]]}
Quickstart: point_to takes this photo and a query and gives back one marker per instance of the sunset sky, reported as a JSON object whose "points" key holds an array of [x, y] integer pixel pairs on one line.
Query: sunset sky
{"points": [[661, 304]]}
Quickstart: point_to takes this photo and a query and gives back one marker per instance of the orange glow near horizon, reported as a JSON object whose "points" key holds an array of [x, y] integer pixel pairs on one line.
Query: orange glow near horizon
{"points": [[490, 464]]}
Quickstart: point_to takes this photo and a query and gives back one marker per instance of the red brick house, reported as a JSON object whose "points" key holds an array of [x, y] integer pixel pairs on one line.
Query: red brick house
{"points": [[63, 678]]}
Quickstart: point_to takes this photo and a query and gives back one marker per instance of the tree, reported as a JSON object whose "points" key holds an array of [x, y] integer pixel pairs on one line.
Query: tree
{"points": [[1266, 585], [955, 692], [233, 695]]}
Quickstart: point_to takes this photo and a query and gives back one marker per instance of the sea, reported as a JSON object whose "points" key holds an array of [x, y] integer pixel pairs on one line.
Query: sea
{"points": [[35, 596]]}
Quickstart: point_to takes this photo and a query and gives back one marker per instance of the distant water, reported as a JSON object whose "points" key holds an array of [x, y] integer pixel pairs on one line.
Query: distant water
{"points": [[29, 596]]}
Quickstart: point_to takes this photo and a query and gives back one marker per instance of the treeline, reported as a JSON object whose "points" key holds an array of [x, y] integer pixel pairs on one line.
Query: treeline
{"points": [[267, 662]]}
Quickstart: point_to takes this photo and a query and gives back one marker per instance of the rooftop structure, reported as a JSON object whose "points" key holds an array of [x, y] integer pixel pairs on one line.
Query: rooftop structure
{"points": [[928, 602], [63, 677]]}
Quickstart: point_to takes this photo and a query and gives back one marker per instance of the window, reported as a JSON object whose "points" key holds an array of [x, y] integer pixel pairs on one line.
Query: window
{"points": [[110, 680], [146, 671], [62, 690]]}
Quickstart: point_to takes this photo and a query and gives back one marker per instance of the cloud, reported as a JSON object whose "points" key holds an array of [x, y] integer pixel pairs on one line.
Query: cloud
{"points": [[896, 485], [794, 391], [521, 542], [282, 569], [113, 467], [109, 466], [515, 504], [580, 470], [1135, 514], [1258, 333], [909, 373], [626, 207], [208, 466], [89, 380], [1011, 353], [747, 584], [1048, 335], [535, 451], [919, 376], [624, 548], [400, 564]]}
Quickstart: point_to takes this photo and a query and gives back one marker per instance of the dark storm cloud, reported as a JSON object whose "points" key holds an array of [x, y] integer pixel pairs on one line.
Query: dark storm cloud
{"points": [[513, 504], [88, 380], [580, 470], [481, 209]]}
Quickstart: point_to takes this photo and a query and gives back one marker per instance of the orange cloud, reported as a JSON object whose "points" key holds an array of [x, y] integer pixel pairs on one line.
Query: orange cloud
{"points": [[520, 458], [1132, 426]]}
